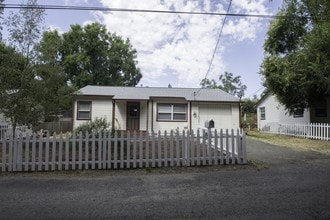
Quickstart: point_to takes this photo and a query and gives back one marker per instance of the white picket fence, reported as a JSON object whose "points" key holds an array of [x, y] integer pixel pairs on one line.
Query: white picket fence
{"points": [[122, 150], [319, 131]]}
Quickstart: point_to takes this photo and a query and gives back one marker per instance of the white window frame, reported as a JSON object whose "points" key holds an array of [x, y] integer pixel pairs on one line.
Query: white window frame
{"points": [[85, 111], [172, 112]]}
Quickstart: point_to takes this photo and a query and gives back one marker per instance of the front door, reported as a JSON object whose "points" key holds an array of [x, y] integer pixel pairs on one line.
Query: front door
{"points": [[133, 116]]}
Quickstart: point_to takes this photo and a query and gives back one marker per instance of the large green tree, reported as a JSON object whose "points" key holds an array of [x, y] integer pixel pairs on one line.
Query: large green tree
{"points": [[296, 67], [55, 90], [228, 83], [92, 55]]}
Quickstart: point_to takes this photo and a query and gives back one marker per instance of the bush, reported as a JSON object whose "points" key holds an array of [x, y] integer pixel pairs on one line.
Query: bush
{"points": [[97, 125]]}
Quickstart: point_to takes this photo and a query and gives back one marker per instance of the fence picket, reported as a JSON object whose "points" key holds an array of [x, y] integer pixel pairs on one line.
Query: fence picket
{"points": [[177, 147], [171, 149], [54, 151], [227, 147], [216, 150], [34, 140], [204, 147], [4, 153], [192, 148], [128, 149], [67, 146], [232, 146], [153, 154], [160, 149], [47, 152], [60, 153], [109, 149], [86, 150], [221, 146], [134, 149], [19, 152], [74, 151], [80, 150], [198, 148], [115, 151], [147, 149], [140, 150], [103, 146], [122, 149]]}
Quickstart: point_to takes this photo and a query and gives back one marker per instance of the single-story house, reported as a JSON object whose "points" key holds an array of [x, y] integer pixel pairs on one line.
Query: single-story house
{"points": [[271, 113], [148, 108]]}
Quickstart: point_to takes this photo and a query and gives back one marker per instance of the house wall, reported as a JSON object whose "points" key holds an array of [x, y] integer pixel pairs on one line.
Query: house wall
{"points": [[276, 114], [223, 115], [101, 107]]}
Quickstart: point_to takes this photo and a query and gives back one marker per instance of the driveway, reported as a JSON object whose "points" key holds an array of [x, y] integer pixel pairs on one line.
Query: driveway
{"points": [[294, 185]]}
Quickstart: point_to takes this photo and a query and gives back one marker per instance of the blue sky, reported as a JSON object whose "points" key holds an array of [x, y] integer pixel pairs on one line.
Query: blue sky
{"points": [[176, 49]]}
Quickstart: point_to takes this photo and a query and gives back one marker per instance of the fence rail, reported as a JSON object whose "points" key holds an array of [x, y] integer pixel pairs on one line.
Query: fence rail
{"points": [[319, 131], [122, 150]]}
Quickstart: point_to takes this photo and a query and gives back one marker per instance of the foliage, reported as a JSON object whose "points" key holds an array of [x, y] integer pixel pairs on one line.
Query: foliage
{"points": [[93, 56], [96, 126], [228, 83], [296, 67], [250, 105], [1, 12], [56, 91], [25, 29], [18, 89]]}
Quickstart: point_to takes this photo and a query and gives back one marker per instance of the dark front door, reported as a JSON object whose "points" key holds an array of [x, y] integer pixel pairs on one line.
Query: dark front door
{"points": [[133, 116]]}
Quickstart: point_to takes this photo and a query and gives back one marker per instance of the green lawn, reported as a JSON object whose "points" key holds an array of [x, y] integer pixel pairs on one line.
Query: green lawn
{"points": [[292, 142]]}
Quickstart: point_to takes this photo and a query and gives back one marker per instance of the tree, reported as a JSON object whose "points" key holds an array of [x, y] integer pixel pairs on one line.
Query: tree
{"points": [[92, 55], [56, 92], [296, 67], [1, 12], [228, 83], [18, 89], [20, 100]]}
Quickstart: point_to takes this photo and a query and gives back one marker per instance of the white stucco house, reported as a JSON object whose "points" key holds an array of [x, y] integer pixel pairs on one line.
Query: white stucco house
{"points": [[272, 114], [148, 108]]}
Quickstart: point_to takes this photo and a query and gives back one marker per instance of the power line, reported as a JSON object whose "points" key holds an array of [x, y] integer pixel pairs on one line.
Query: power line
{"points": [[106, 9], [218, 40]]}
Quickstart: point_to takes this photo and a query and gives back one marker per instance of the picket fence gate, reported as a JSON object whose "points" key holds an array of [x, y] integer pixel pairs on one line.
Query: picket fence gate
{"points": [[122, 150]]}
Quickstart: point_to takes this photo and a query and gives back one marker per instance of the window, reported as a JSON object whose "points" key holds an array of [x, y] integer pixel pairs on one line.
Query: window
{"points": [[172, 112], [84, 110], [262, 113], [298, 113], [321, 109]]}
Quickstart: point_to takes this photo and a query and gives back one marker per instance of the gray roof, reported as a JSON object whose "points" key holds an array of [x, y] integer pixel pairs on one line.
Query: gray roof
{"points": [[145, 93]]}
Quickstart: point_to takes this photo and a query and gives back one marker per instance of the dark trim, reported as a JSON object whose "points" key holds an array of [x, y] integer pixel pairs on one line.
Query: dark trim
{"points": [[190, 117], [127, 113], [152, 115], [147, 115], [90, 111], [113, 114]]}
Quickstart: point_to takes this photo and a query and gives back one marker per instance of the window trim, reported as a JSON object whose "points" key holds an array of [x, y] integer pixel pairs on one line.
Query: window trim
{"points": [[172, 113], [262, 111], [90, 110]]}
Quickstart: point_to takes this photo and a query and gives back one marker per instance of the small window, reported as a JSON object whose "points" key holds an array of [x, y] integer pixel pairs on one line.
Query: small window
{"points": [[84, 110], [172, 112], [262, 113], [298, 113], [321, 109]]}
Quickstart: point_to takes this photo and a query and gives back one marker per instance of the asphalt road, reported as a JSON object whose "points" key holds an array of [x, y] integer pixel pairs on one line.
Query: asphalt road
{"points": [[280, 184]]}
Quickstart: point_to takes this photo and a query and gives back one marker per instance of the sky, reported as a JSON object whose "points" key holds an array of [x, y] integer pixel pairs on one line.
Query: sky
{"points": [[177, 49]]}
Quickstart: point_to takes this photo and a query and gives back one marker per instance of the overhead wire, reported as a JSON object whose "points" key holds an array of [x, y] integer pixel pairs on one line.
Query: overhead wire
{"points": [[217, 44], [108, 9]]}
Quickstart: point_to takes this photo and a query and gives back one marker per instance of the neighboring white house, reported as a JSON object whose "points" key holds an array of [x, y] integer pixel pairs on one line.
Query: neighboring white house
{"points": [[147, 108], [271, 114]]}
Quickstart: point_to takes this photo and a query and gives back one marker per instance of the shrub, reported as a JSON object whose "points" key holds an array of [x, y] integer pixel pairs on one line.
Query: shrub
{"points": [[97, 125]]}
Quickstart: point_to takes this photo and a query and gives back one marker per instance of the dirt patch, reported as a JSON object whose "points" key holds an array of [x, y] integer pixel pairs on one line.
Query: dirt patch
{"points": [[295, 143]]}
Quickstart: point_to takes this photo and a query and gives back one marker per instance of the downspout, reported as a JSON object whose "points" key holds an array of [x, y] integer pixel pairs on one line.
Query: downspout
{"points": [[113, 114], [147, 115], [190, 118], [152, 115]]}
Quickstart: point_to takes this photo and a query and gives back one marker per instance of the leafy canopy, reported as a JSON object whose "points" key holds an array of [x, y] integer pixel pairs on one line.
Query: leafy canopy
{"points": [[91, 55], [296, 66], [228, 83]]}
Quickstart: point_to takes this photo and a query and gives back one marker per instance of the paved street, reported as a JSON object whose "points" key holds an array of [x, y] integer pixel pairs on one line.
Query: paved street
{"points": [[281, 184]]}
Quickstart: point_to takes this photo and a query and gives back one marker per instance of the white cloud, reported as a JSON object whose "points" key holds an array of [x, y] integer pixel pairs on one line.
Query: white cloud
{"points": [[178, 46]]}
